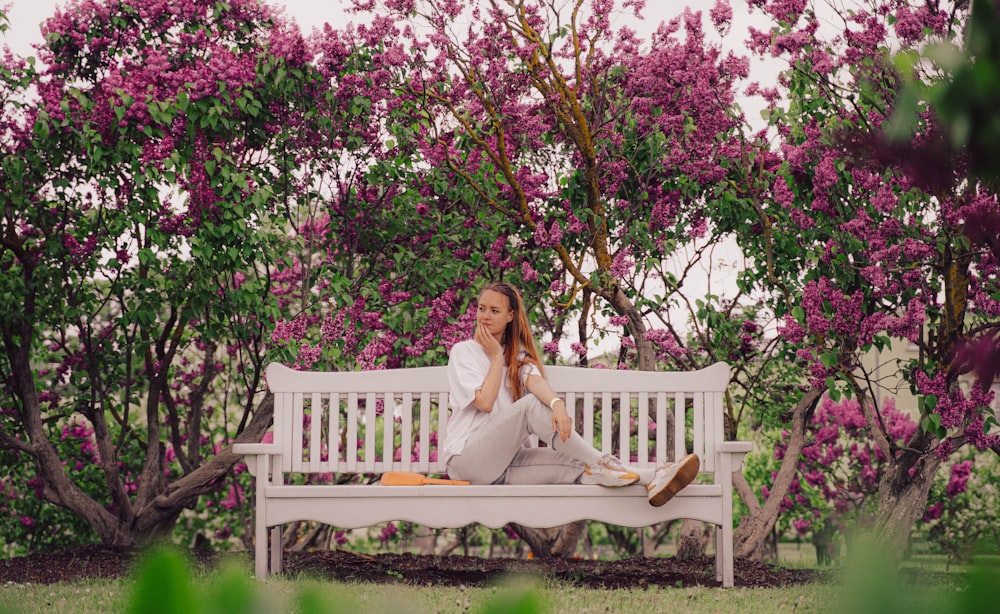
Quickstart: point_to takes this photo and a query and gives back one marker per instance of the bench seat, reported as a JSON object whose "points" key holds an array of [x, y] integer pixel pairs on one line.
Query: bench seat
{"points": [[456, 506]]}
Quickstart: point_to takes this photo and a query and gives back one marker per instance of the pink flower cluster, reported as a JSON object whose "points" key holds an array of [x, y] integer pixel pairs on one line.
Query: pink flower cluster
{"points": [[960, 474], [83, 435], [666, 345], [959, 409]]}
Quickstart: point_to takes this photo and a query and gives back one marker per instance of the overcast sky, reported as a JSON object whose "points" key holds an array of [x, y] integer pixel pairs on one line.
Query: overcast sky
{"points": [[26, 16]]}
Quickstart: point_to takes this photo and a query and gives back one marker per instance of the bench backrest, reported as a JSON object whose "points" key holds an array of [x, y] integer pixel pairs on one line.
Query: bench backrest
{"points": [[416, 401]]}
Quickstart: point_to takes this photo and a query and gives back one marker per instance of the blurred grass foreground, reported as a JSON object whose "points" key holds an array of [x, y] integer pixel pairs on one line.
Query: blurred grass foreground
{"points": [[165, 582]]}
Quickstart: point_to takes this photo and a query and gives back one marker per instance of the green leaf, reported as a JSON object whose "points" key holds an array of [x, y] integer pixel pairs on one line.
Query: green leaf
{"points": [[946, 56], [164, 585]]}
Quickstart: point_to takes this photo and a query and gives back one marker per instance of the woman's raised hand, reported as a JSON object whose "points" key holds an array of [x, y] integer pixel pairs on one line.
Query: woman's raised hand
{"points": [[490, 344]]}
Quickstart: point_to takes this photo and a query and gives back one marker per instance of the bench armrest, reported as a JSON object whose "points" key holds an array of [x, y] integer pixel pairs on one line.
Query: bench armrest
{"points": [[734, 447], [256, 454], [256, 448], [730, 459]]}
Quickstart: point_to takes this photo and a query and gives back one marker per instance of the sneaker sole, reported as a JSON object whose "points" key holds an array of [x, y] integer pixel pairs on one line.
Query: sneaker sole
{"points": [[626, 480], [686, 474]]}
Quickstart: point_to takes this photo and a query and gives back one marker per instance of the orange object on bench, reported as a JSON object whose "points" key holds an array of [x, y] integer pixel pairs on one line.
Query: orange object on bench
{"points": [[406, 478]]}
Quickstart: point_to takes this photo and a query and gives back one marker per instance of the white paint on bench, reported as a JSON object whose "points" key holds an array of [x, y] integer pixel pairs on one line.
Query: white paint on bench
{"points": [[320, 416]]}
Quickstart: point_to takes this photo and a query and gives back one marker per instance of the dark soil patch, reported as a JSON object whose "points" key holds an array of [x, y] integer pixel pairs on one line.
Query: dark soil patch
{"points": [[112, 562]]}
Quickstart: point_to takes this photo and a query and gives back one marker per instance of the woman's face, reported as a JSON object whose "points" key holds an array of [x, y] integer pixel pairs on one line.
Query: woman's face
{"points": [[494, 312]]}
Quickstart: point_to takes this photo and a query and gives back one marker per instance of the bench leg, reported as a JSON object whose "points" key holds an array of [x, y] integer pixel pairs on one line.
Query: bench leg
{"points": [[718, 554], [728, 577], [260, 519], [724, 543], [276, 549], [260, 550]]}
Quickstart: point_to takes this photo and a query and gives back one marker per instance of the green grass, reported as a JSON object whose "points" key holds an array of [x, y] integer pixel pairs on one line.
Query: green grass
{"points": [[284, 595], [296, 595], [165, 583]]}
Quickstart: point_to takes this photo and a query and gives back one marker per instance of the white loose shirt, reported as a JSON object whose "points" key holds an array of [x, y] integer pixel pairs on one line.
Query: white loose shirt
{"points": [[468, 365]]}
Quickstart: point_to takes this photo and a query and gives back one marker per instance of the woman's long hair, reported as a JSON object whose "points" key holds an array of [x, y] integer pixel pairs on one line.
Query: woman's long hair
{"points": [[516, 337]]}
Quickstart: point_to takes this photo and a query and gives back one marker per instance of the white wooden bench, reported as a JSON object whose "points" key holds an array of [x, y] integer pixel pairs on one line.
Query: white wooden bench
{"points": [[416, 399]]}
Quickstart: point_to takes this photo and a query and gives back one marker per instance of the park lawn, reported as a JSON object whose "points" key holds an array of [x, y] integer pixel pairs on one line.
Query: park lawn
{"points": [[166, 583], [284, 595], [307, 595]]}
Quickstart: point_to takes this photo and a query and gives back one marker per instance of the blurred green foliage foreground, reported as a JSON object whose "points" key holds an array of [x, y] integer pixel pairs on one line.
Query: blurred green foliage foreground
{"points": [[164, 584]]}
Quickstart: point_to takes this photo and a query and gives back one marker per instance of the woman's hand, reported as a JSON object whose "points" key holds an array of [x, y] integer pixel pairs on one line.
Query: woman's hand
{"points": [[490, 344], [560, 421]]}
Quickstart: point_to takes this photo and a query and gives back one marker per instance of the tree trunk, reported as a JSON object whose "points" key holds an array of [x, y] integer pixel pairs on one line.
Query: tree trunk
{"points": [[58, 487], [555, 542], [157, 518], [754, 529], [185, 492], [637, 328], [902, 500], [767, 549], [693, 540]]}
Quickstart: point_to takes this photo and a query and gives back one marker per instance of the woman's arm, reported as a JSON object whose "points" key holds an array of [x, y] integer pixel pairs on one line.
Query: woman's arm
{"points": [[487, 393], [561, 423]]}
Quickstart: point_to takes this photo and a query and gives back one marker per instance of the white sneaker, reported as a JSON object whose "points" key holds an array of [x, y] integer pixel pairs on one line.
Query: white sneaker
{"points": [[609, 471], [669, 479]]}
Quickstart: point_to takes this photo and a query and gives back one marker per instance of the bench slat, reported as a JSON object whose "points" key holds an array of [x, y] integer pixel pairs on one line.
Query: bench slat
{"points": [[370, 432], [315, 426], [351, 458], [406, 433], [297, 419], [282, 424], [680, 419], [662, 433], [624, 426], [425, 430], [701, 423], [442, 428], [389, 430], [713, 422], [710, 379], [333, 442], [642, 416], [570, 399], [606, 428]]}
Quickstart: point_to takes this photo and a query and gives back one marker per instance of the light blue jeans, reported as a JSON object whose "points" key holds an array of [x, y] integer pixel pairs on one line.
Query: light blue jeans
{"points": [[496, 452]]}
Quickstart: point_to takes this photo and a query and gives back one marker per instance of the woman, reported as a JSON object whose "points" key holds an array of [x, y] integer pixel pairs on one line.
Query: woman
{"points": [[499, 398]]}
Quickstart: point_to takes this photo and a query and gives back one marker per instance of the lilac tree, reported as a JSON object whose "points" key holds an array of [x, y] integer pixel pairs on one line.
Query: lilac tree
{"points": [[862, 252], [583, 142], [140, 172]]}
